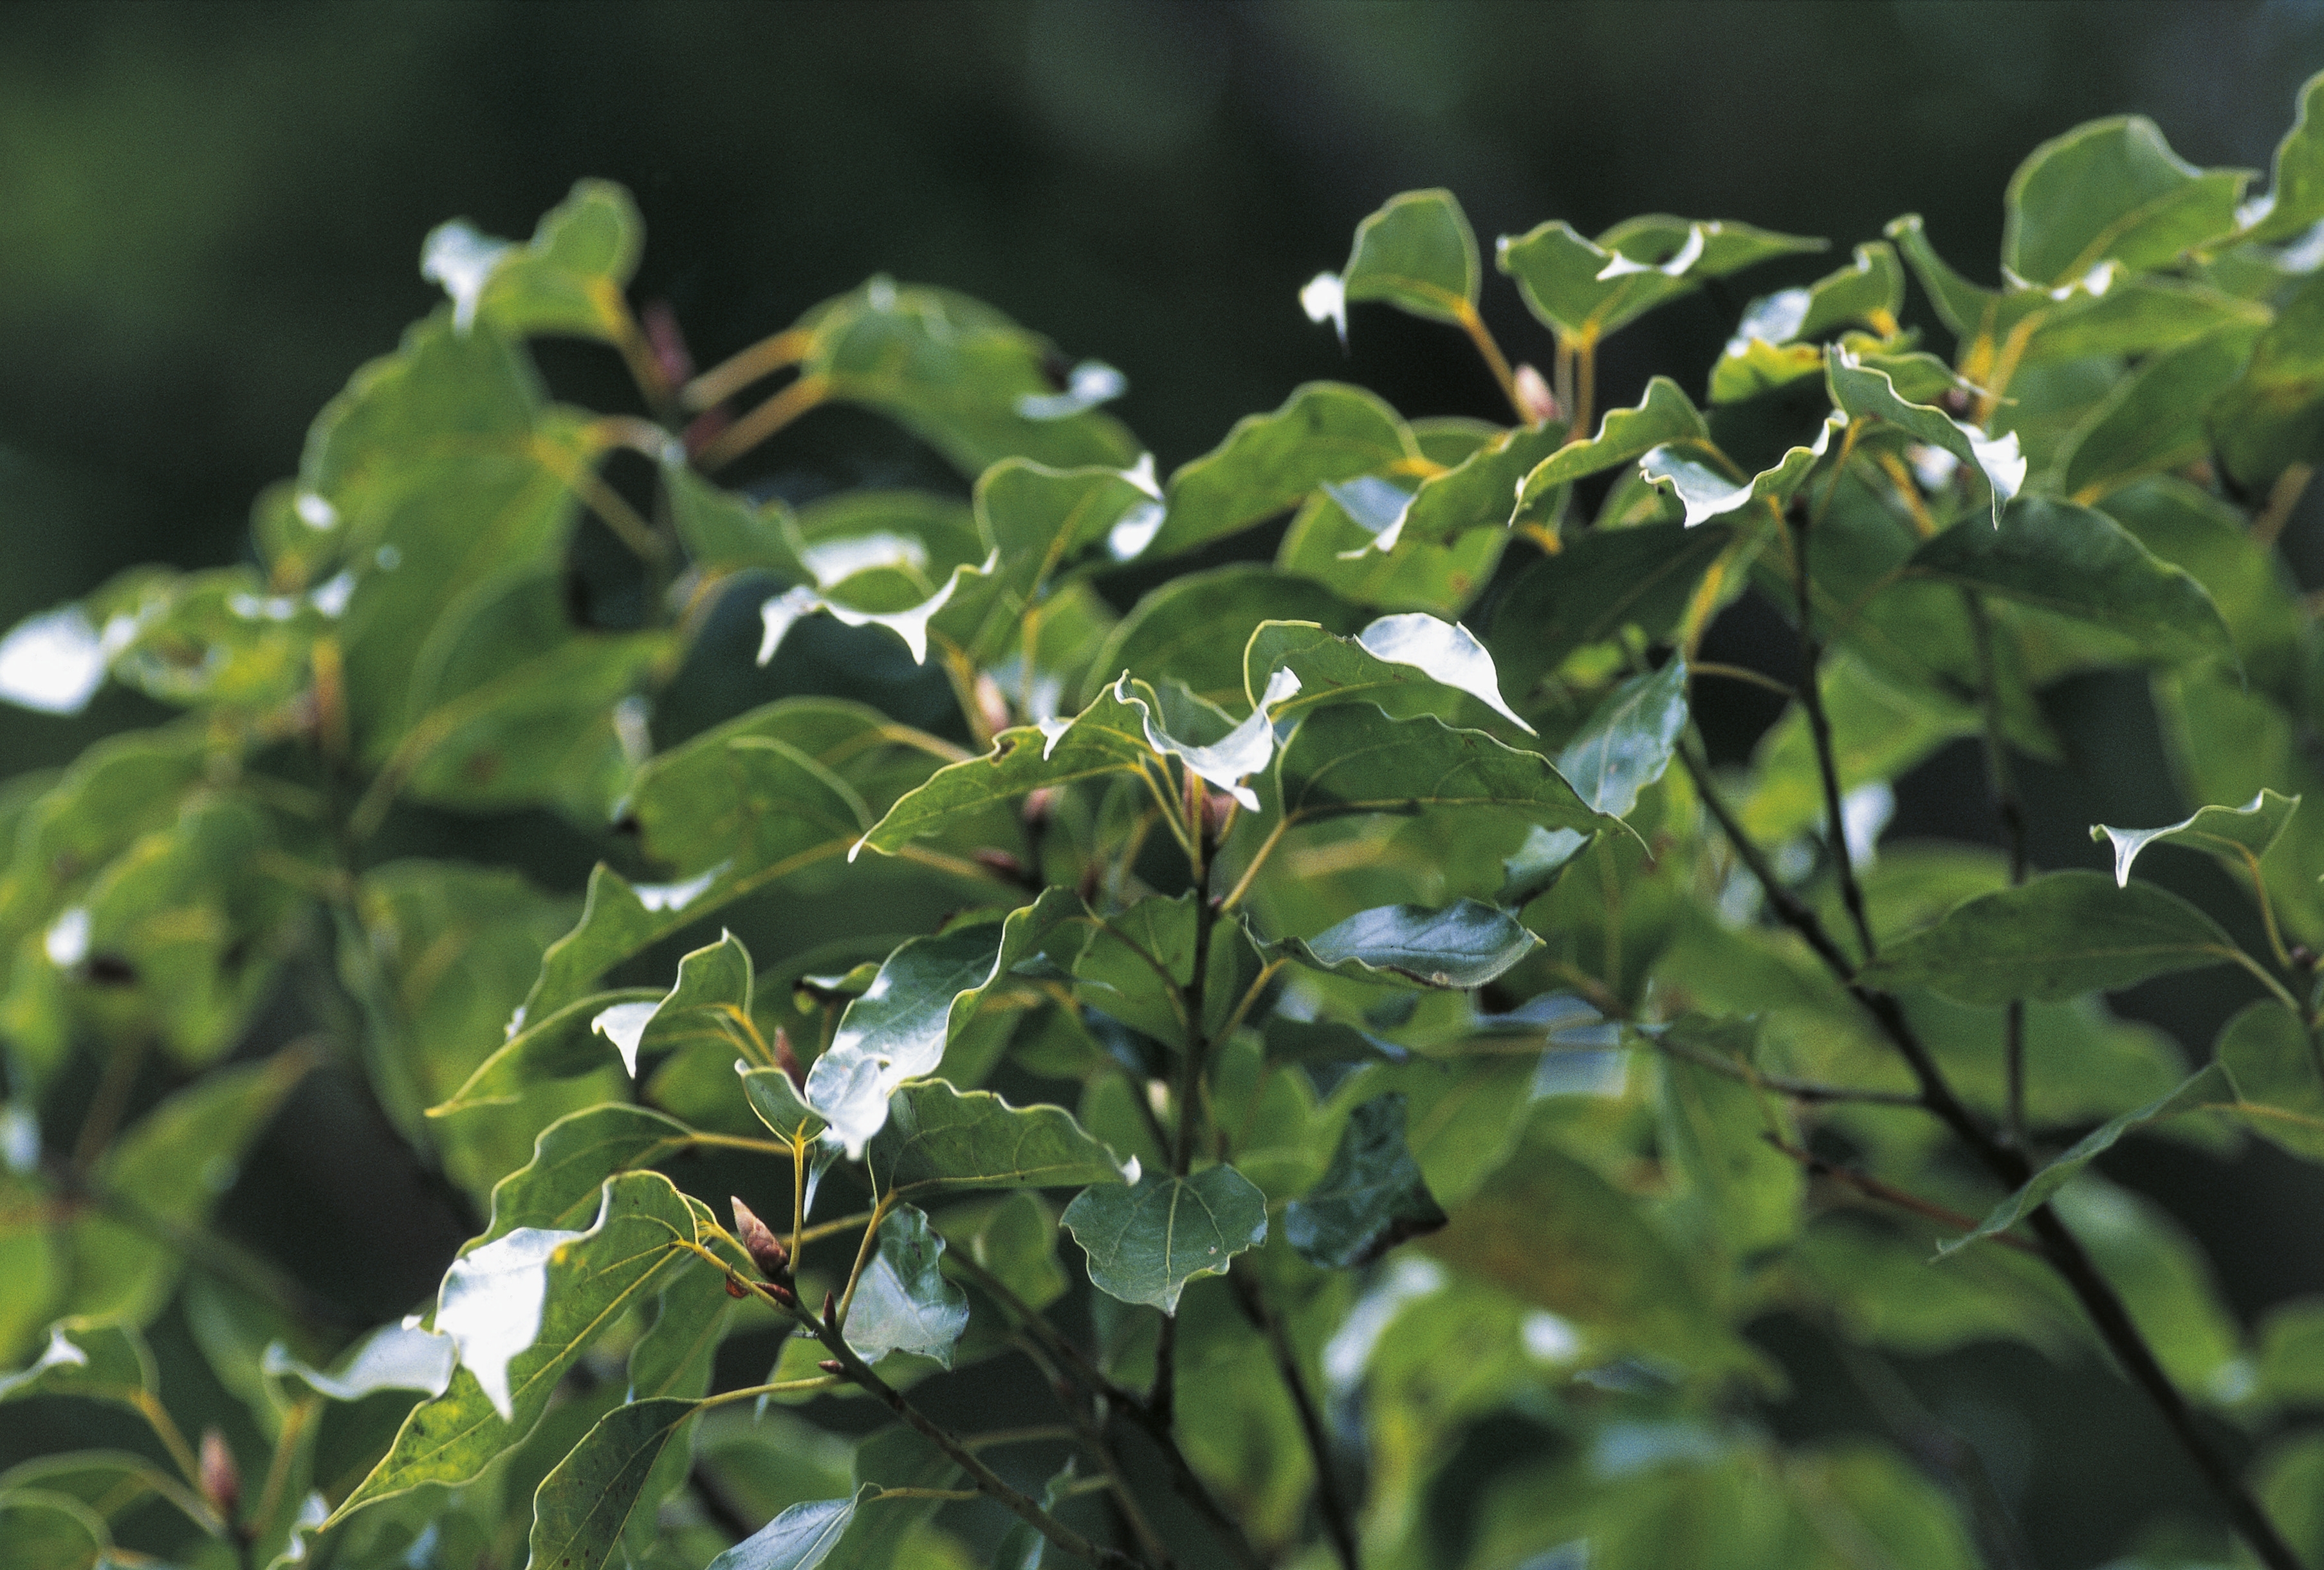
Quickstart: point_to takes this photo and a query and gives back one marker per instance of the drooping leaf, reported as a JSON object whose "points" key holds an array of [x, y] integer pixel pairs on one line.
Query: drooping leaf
{"points": [[1602, 581], [2111, 190], [1860, 392], [2154, 419], [1664, 414], [1355, 758], [903, 1301], [1417, 254], [524, 1314], [2079, 563], [394, 1357], [2059, 935], [1325, 431], [1709, 485], [1587, 289], [776, 1099], [800, 1538], [939, 1136], [1629, 740], [564, 1043], [581, 1506], [1391, 663], [1146, 1241], [1465, 945], [2295, 196], [2240, 835], [1372, 1197]]}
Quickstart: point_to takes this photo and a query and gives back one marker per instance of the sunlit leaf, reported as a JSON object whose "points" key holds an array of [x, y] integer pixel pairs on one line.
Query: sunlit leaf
{"points": [[2295, 196], [1417, 254], [2111, 190], [903, 1301], [1860, 392], [1146, 1241], [939, 1136], [1464, 945], [1269, 463], [1629, 740], [1587, 288]]}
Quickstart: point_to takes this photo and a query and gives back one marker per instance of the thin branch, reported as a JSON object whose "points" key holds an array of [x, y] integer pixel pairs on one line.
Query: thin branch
{"points": [[1495, 361], [1741, 673], [1872, 1187], [2009, 811], [1782, 1085], [1338, 1523], [1819, 727], [763, 421], [778, 352]]}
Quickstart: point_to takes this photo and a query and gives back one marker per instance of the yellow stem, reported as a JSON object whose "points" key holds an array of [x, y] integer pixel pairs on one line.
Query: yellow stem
{"points": [[1495, 361], [731, 375], [763, 421]]}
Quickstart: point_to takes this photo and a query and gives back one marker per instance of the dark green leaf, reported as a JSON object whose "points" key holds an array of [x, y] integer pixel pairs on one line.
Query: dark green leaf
{"points": [[1586, 290], [1464, 945], [800, 1538], [1197, 627], [1628, 743], [1602, 581], [1880, 729], [1664, 414], [1860, 392], [2295, 197], [561, 1186], [1355, 758], [903, 1302], [1475, 494], [776, 1101], [2111, 190], [939, 1136], [1107, 737], [1324, 431], [2078, 563], [1371, 1199], [2059, 935], [1145, 1243], [1417, 254], [2153, 419], [1337, 540], [1978, 316], [558, 1046], [2273, 417], [2279, 1085], [44, 1530], [1016, 1239], [2137, 316], [580, 1507]]}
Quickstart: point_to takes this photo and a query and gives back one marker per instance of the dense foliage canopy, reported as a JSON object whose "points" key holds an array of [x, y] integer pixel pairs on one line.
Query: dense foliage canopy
{"points": [[1325, 1018]]}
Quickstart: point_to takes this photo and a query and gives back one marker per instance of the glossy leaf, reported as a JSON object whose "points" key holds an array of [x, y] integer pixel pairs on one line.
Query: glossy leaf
{"points": [[1389, 663], [394, 1357], [2240, 835], [903, 1301], [2076, 562], [569, 1286], [2058, 936], [91, 1358], [1464, 945], [1629, 740], [1372, 1197], [1602, 581], [1355, 758], [939, 1136], [1417, 254], [1587, 288], [581, 1506], [1325, 431], [1147, 1241], [1994, 463], [775, 1097], [800, 1538], [1708, 486], [2111, 190], [2153, 419], [1664, 414]]}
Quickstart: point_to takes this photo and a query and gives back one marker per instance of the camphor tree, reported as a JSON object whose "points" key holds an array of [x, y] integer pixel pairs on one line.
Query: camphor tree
{"points": [[1274, 1031]]}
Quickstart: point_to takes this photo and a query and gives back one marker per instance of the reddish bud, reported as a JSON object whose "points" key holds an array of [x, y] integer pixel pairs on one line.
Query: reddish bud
{"points": [[1534, 398], [668, 342], [782, 1294], [765, 1249], [831, 1308], [1216, 805], [991, 705], [787, 1060], [707, 428], [1086, 886], [1039, 805], [221, 1478], [1000, 860], [832, 1365], [736, 1288]]}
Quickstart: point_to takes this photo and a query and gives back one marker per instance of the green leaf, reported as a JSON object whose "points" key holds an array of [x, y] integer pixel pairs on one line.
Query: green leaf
{"points": [[1975, 315], [95, 1359], [1325, 431], [43, 1531], [956, 372], [2206, 1087], [2239, 835], [2111, 190], [710, 1002], [1705, 481], [2079, 563], [394, 1357], [1475, 493], [1417, 254], [1628, 740], [1603, 580], [1336, 539], [561, 1186], [581, 1506], [2059, 935], [522, 1308], [1664, 414], [800, 1538], [1585, 289], [2273, 417], [1880, 729], [2279, 1087], [1371, 1199], [1389, 663], [1355, 758], [558, 1046], [1861, 393], [903, 1301], [939, 1136], [1197, 627], [2295, 196], [1742, 1194], [2140, 316], [1464, 945], [2154, 419], [568, 280], [1016, 1239], [1146, 1241], [776, 1100], [112, 1483]]}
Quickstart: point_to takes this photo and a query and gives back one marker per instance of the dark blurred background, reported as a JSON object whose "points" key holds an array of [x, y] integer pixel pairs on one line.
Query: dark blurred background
{"points": [[210, 214]]}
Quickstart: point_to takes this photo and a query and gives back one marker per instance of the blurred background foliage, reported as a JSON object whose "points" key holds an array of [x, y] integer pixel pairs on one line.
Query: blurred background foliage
{"points": [[210, 214]]}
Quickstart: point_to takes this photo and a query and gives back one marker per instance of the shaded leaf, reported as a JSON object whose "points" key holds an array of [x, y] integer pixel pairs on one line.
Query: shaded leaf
{"points": [[1356, 759], [939, 1136], [2111, 190], [1628, 740], [1464, 945], [2273, 417], [800, 1538], [2059, 935], [2240, 835], [91, 1358], [568, 279], [1197, 627], [2278, 1085], [2153, 419], [581, 1506], [1602, 581], [903, 1301], [1146, 1241], [1325, 431], [1372, 1197], [1417, 254], [2075, 562], [1476, 492]]}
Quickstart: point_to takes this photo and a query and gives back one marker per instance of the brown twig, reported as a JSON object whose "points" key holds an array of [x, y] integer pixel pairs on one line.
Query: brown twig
{"points": [[1338, 1524]]}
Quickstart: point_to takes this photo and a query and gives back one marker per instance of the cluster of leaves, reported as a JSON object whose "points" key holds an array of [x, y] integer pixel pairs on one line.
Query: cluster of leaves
{"points": [[1397, 1029]]}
